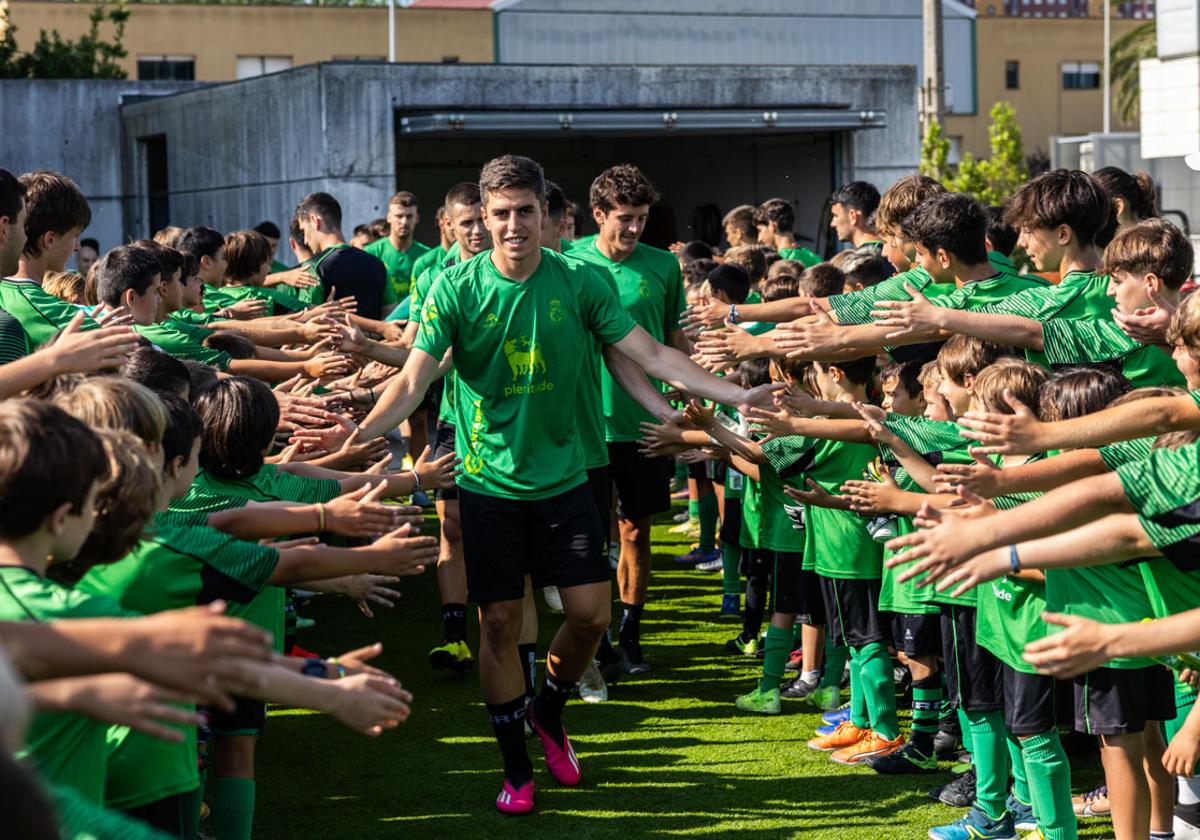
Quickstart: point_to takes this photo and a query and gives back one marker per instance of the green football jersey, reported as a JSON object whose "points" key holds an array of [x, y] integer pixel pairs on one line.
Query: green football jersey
{"points": [[855, 307], [1079, 295], [937, 442], [191, 316], [904, 597], [801, 255], [281, 302], [1113, 593], [778, 532], [399, 264], [589, 413], [750, 535], [177, 566], [836, 540], [209, 493], [1124, 452], [174, 342], [999, 287], [67, 749], [516, 349], [14, 341], [1087, 341], [420, 290], [1009, 617], [651, 291], [434, 256], [40, 313]]}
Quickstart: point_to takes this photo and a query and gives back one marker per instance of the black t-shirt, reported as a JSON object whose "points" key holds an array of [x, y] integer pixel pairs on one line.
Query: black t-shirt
{"points": [[357, 274]]}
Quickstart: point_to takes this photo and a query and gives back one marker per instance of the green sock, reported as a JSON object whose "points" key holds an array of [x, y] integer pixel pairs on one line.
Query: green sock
{"points": [[681, 472], [1016, 761], [192, 800], [693, 509], [1050, 785], [835, 664], [860, 716], [775, 655], [990, 754], [965, 726], [879, 689], [926, 704], [731, 581], [708, 511], [233, 808]]}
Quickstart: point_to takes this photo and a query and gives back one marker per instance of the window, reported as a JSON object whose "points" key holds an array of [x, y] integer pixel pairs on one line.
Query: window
{"points": [[177, 68], [360, 58], [1080, 75], [249, 66], [1012, 75]]}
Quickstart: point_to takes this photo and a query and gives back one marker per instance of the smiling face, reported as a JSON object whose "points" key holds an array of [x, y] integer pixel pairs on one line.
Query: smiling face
{"points": [[621, 227], [514, 219], [466, 220], [1044, 246]]}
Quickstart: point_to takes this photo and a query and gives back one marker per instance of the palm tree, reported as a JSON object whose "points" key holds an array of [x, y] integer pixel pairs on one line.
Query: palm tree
{"points": [[1136, 44]]}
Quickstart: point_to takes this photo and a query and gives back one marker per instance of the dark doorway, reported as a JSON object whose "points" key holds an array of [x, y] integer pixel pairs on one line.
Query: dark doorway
{"points": [[693, 172], [158, 202]]}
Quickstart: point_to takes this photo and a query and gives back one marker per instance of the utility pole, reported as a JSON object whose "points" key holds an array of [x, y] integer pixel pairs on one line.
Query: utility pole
{"points": [[391, 30], [933, 85], [1107, 66]]}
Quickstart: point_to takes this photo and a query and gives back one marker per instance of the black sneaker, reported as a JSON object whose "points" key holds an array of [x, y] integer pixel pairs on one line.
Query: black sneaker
{"points": [[907, 759], [947, 746], [610, 664], [960, 793], [632, 660], [797, 689]]}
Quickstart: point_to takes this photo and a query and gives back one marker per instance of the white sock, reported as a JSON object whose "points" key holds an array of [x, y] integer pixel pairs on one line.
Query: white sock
{"points": [[1189, 790]]}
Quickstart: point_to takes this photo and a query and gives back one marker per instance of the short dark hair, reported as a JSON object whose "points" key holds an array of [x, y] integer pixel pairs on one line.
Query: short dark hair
{"points": [[235, 344], [1000, 233], [1062, 197], [512, 172], [201, 376], [755, 372], [867, 268], [245, 253], [1075, 392], [857, 195], [858, 371], [778, 211], [158, 371], [465, 193], [125, 267], [169, 260], [183, 427], [623, 184], [696, 272], [88, 242], [556, 201], [200, 242], [741, 218], [403, 198], [47, 458], [323, 206], [731, 280], [695, 250], [12, 195], [821, 280], [780, 287], [907, 375], [268, 229], [53, 204], [1152, 246], [953, 222], [239, 417]]}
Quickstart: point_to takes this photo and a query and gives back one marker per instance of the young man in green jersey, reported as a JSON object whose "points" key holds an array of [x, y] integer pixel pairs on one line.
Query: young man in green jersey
{"points": [[469, 238], [515, 318], [776, 219], [651, 291], [398, 250], [851, 208]]}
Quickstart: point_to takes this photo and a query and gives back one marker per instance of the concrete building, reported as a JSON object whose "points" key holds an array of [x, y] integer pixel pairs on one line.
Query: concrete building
{"points": [[710, 137]]}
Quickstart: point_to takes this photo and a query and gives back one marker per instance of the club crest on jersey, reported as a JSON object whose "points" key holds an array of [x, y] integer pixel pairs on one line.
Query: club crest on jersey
{"points": [[431, 312], [490, 320], [555, 314], [644, 288]]}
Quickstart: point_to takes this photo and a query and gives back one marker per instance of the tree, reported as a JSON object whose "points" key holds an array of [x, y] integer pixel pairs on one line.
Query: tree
{"points": [[1136, 44], [52, 57], [935, 150]]}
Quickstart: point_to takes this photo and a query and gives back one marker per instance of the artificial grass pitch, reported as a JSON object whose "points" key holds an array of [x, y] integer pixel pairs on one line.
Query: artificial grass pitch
{"points": [[667, 755]]}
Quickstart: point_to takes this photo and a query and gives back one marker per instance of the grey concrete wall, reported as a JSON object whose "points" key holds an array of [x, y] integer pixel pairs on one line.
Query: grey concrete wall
{"points": [[245, 151], [74, 127]]}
